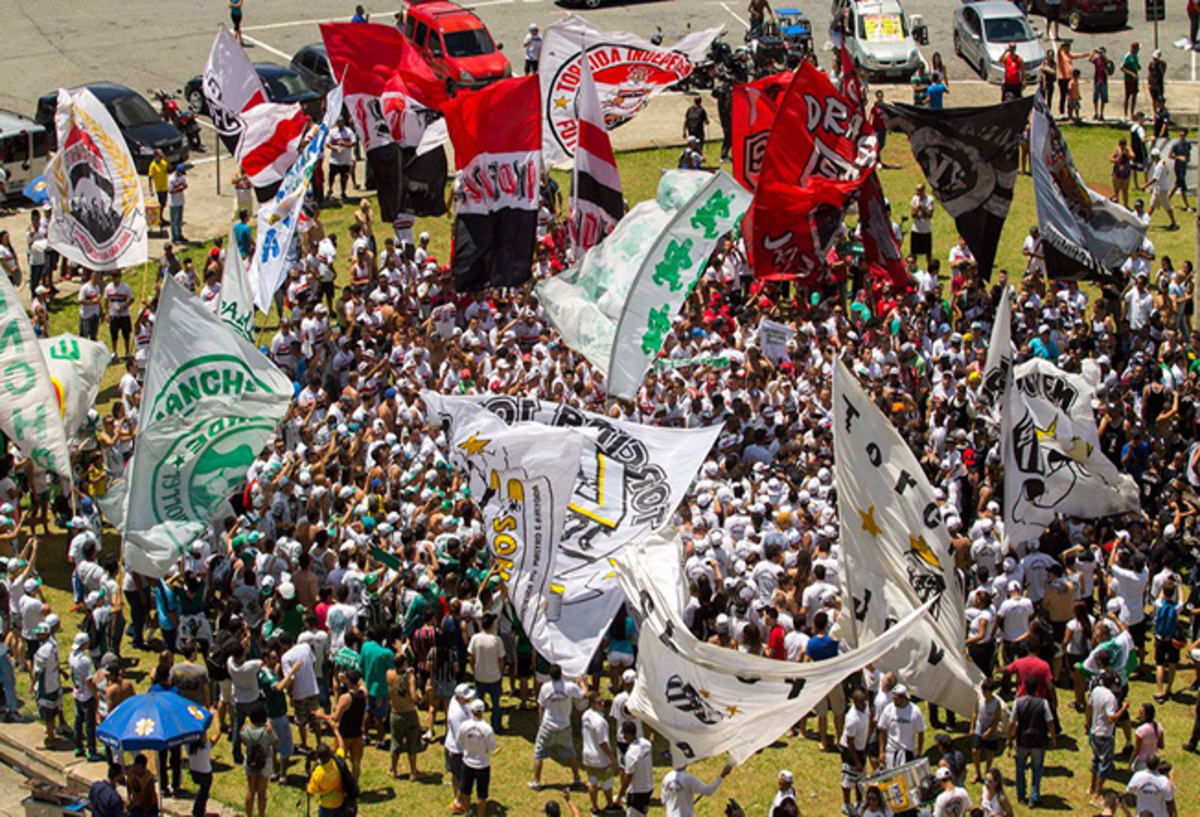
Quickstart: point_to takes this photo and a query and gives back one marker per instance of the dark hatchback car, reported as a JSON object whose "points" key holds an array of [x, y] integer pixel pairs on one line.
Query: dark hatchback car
{"points": [[311, 63], [282, 83], [144, 130], [1088, 14]]}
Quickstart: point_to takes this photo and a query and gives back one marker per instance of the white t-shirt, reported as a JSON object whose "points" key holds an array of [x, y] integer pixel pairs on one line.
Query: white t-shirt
{"points": [[304, 683], [477, 741], [639, 765], [1131, 587], [81, 672], [901, 726], [245, 680], [487, 656], [1014, 616], [456, 716], [119, 297], [680, 788], [342, 155], [857, 728], [953, 803], [87, 291], [922, 224], [1153, 792], [595, 735], [1104, 704], [556, 697], [176, 185]]}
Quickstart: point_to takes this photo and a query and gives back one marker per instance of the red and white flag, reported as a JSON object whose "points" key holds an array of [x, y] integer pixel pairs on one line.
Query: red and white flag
{"points": [[270, 143], [754, 107], [597, 201], [231, 86]]}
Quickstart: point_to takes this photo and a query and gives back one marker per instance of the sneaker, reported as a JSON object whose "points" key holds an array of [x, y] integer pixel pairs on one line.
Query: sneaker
{"points": [[78, 753], [427, 736], [533, 784]]}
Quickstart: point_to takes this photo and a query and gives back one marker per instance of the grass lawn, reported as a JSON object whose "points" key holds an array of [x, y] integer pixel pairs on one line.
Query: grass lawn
{"points": [[817, 775]]}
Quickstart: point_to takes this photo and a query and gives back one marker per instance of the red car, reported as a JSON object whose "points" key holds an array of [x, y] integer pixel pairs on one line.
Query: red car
{"points": [[456, 44], [1088, 14]]}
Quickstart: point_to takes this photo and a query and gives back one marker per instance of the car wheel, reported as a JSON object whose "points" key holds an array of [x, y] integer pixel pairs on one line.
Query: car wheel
{"points": [[1075, 20], [592, 4], [196, 101]]}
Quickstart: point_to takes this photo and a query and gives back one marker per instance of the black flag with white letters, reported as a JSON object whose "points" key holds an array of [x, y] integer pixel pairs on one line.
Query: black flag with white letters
{"points": [[970, 158]]}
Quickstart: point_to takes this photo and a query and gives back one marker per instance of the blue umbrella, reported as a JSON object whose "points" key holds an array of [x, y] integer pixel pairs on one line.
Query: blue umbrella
{"points": [[155, 720], [35, 191]]}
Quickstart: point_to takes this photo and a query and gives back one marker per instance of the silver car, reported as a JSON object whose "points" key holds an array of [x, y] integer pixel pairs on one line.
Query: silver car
{"points": [[878, 35], [982, 32]]}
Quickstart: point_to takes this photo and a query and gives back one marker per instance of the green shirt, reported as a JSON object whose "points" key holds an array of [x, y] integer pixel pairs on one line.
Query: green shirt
{"points": [[275, 700], [376, 661], [1130, 66]]}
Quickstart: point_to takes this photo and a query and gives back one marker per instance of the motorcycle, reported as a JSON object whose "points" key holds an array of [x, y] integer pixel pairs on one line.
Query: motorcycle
{"points": [[181, 118]]}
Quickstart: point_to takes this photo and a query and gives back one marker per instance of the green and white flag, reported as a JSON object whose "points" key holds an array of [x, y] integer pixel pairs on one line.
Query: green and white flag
{"points": [[617, 306], [236, 304], [211, 404], [76, 366], [28, 414]]}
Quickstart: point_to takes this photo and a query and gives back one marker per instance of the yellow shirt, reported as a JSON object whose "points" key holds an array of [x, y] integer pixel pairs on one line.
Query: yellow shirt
{"points": [[159, 171], [326, 784]]}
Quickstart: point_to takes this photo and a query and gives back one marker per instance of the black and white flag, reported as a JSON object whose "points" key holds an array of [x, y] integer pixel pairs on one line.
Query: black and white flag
{"points": [[970, 158], [1082, 216]]}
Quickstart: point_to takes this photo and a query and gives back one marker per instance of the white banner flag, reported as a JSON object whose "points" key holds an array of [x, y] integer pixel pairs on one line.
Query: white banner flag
{"points": [[895, 554], [99, 215], [773, 340], [629, 71], [709, 700], [279, 218], [76, 366], [231, 86], [211, 403], [617, 306], [236, 304], [522, 478], [29, 414], [629, 480]]}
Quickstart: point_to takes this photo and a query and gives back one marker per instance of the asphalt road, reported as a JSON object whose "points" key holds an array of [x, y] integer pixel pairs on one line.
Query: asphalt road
{"points": [[53, 43]]}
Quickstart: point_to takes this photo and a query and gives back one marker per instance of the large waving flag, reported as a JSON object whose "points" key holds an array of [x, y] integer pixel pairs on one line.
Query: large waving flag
{"points": [[270, 142], [895, 553], [99, 215], [755, 105], [212, 402], [279, 218], [231, 87], [819, 153], [76, 367], [499, 176], [597, 201], [27, 413], [617, 306], [236, 305], [629, 72]]}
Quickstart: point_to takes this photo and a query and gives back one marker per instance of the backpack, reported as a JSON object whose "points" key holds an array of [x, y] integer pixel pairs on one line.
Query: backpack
{"points": [[349, 788], [1166, 620], [256, 756]]}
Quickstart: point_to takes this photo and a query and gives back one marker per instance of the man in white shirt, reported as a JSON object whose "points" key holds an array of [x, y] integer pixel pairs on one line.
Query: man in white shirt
{"points": [[619, 712], [921, 241], [176, 186], [555, 700], [341, 154], [953, 801], [856, 730], [1102, 713], [1014, 616], [457, 714], [119, 297], [305, 692], [486, 653], [478, 744], [1139, 302], [680, 788], [637, 774], [599, 758], [533, 49], [89, 297], [47, 680], [83, 683], [903, 727], [1154, 791], [1161, 179]]}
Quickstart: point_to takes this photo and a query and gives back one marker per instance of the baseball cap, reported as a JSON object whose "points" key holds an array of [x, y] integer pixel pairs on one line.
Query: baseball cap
{"points": [[464, 691], [32, 584], [477, 706], [900, 689], [81, 639], [629, 676], [52, 621], [287, 591], [786, 776], [42, 629], [944, 774]]}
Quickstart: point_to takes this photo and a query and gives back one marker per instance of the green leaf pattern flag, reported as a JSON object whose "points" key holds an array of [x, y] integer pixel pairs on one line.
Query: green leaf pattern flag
{"points": [[211, 403], [28, 406], [76, 366], [617, 306]]}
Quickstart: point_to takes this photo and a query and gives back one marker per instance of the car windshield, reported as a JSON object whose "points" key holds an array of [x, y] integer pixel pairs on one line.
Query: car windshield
{"points": [[470, 43], [882, 28], [132, 111], [285, 85], [1007, 30]]}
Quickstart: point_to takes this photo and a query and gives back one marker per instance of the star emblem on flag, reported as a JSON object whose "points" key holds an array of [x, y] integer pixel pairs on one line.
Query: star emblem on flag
{"points": [[561, 103], [474, 445], [1050, 432], [733, 710], [868, 521]]}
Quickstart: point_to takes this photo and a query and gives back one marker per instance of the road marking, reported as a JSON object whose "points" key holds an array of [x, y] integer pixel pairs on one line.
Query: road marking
{"points": [[314, 21], [731, 12], [492, 3], [265, 47]]}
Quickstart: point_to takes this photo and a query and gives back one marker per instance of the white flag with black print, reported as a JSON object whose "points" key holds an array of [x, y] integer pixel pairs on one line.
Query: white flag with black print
{"points": [[895, 553], [709, 700]]}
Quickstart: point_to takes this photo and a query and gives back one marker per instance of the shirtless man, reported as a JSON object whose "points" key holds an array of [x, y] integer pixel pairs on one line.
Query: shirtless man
{"points": [[759, 9]]}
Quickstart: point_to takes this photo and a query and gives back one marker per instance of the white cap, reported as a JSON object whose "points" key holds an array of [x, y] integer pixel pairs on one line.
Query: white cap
{"points": [[900, 689], [1014, 587], [629, 676], [786, 776], [944, 773], [81, 639], [287, 591], [477, 706], [423, 582], [464, 691]]}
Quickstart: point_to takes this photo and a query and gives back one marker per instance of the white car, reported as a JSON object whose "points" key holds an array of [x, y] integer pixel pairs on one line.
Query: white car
{"points": [[879, 37], [982, 32]]}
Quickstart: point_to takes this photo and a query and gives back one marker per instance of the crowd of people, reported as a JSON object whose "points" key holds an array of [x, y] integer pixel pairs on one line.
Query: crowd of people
{"points": [[349, 605]]}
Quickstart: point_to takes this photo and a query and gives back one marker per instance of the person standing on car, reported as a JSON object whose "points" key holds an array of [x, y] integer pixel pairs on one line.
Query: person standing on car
{"points": [[758, 9], [235, 17], [533, 49]]}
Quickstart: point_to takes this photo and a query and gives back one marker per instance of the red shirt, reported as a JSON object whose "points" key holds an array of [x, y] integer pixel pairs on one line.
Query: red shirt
{"points": [[1013, 69], [775, 644], [1033, 675]]}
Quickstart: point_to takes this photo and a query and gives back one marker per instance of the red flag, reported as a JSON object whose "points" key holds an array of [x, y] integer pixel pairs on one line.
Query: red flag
{"points": [[852, 85], [270, 142], [878, 239], [597, 201], [496, 193], [754, 107], [818, 156]]}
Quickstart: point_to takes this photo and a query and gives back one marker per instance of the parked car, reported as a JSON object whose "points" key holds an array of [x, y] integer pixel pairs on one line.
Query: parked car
{"points": [[311, 64], [880, 38], [24, 146], [141, 125], [1088, 14], [283, 85], [456, 44], [982, 32]]}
